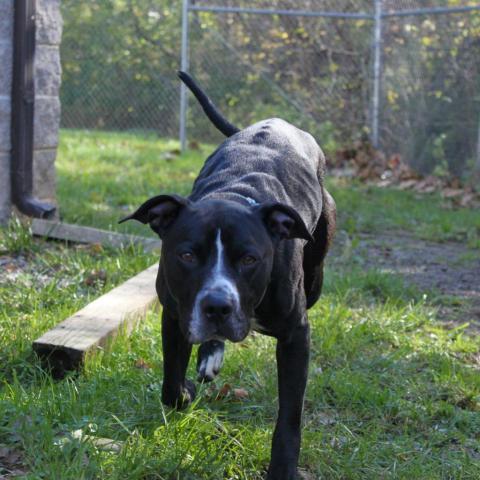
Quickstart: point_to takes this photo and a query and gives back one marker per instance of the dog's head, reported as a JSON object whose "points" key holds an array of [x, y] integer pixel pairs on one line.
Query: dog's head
{"points": [[217, 258]]}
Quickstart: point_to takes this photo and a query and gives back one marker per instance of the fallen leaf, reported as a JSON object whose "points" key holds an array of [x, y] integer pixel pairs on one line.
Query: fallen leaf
{"points": [[240, 393], [385, 183], [325, 418], [467, 199], [142, 364], [407, 184], [96, 248], [224, 391], [451, 192], [10, 457], [96, 277]]}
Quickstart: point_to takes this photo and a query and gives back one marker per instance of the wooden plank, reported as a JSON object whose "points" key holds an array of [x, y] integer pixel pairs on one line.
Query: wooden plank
{"points": [[81, 234], [64, 347], [103, 444]]}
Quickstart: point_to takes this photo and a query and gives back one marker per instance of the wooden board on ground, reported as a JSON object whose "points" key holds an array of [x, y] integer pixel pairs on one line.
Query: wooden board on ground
{"points": [[64, 346], [81, 234]]}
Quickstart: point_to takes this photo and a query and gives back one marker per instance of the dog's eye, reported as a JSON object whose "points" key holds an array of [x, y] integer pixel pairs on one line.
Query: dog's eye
{"points": [[187, 257], [248, 260]]}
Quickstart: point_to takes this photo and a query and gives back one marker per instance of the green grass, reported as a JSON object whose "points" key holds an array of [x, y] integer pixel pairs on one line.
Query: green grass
{"points": [[102, 176], [391, 393], [371, 209]]}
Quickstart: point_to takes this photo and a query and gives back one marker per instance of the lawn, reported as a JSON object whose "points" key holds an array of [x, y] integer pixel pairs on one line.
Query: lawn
{"points": [[102, 176], [392, 393]]}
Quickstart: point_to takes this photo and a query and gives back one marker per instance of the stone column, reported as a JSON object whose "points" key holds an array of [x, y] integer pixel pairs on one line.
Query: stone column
{"points": [[6, 60], [47, 103]]}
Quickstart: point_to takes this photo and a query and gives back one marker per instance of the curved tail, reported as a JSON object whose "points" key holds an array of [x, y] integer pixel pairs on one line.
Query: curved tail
{"points": [[208, 107]]}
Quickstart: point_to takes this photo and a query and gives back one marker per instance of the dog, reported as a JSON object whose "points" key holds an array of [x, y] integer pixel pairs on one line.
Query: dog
{"points": [[245, 251]]}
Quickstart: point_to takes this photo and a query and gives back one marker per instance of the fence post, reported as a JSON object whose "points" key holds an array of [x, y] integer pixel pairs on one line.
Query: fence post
{"points": [[476, 168], [377, 71], [184, 67]]}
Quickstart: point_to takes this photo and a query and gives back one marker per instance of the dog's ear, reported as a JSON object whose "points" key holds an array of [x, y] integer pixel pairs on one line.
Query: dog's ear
{"points": [[283, 222], [159, 212]]}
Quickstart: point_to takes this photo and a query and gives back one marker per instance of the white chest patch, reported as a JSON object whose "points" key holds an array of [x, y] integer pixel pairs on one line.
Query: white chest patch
{"points": [[210, 366]]}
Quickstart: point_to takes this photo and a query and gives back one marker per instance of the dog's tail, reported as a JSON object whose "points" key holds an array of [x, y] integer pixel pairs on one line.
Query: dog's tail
{"points": [[208, 107]]}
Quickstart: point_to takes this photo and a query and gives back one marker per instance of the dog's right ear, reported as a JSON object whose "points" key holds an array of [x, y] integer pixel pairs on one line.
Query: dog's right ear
{"points": [[159, 212]]}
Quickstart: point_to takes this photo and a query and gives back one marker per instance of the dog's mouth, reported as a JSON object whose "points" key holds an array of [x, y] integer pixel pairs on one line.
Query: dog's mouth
{"points": [[235, 330], [198, 339]]}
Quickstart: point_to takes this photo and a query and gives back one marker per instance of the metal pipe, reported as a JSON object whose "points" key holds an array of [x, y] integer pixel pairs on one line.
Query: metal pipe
{"points": [[477, 166], [360, 15], [184, 67], [272, 11], [377, 61], [23, 102], [430, 11]]}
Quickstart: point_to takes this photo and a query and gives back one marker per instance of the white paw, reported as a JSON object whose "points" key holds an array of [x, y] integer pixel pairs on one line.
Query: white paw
{"points": [[210, 365]]}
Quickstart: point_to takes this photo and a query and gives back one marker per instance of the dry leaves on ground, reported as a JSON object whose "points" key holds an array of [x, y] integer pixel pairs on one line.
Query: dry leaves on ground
{"points": [[227, 392], [367, 164], [11, 465]]}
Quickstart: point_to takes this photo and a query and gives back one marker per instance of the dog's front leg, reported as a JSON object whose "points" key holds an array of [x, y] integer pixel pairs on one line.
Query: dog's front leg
{"points": [[292, 364], [177, 391]]}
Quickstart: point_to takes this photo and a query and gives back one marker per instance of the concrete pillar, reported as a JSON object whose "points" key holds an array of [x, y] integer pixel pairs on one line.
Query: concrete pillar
{"points": [[6, 57], [47, 105]]}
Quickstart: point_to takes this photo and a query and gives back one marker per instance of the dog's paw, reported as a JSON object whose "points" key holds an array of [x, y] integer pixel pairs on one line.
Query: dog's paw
{"points": [[189, 393], [209, 360], [180, 398], [285, 473]]}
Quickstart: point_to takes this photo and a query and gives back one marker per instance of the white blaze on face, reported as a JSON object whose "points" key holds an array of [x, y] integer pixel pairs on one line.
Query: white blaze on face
{"points": [[220, 280], [216, 280]]}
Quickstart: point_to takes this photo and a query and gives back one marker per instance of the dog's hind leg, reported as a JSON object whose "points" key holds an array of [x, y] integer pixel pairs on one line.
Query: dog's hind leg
{"points": [[209, 360], [314, 252]]}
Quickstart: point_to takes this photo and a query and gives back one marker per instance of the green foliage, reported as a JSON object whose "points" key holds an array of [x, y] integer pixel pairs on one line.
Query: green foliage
{"points": [[119, 59], [432, 80], [15, 237]]}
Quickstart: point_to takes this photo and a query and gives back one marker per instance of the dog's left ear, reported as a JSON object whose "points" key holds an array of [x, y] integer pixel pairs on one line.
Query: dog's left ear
{"points": [[283, 222], [159, 212]]}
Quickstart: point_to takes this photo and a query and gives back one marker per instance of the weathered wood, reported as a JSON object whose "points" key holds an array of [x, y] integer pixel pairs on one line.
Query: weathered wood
{"points": [[103, 444], [81, 234], [64, 346]]}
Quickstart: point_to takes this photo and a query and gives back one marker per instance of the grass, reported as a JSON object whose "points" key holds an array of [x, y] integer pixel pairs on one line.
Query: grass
{"points": [[391, 393], [102, 176], [371, 209]]}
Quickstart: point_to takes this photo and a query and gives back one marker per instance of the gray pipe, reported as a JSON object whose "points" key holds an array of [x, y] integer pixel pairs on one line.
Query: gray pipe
{"points": [[23, 103]]}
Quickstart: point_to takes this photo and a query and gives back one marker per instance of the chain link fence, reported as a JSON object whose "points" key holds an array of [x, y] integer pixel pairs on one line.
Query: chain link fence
{"points": [[414, 88]]}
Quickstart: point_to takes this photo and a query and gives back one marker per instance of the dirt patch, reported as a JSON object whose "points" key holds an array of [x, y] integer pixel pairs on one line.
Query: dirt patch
{"points": [[449, 270], [11, 465]]}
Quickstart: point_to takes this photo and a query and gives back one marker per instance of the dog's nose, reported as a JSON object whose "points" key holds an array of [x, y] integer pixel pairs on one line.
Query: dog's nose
{"points": [[216, 306]]}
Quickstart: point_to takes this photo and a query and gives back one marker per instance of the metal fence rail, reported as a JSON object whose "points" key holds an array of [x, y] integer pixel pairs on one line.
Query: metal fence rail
{"points": [[403, 73]]}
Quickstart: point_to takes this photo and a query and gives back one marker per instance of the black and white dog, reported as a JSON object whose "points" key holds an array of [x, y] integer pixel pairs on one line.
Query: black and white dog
{"points": [[244, 251]]}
